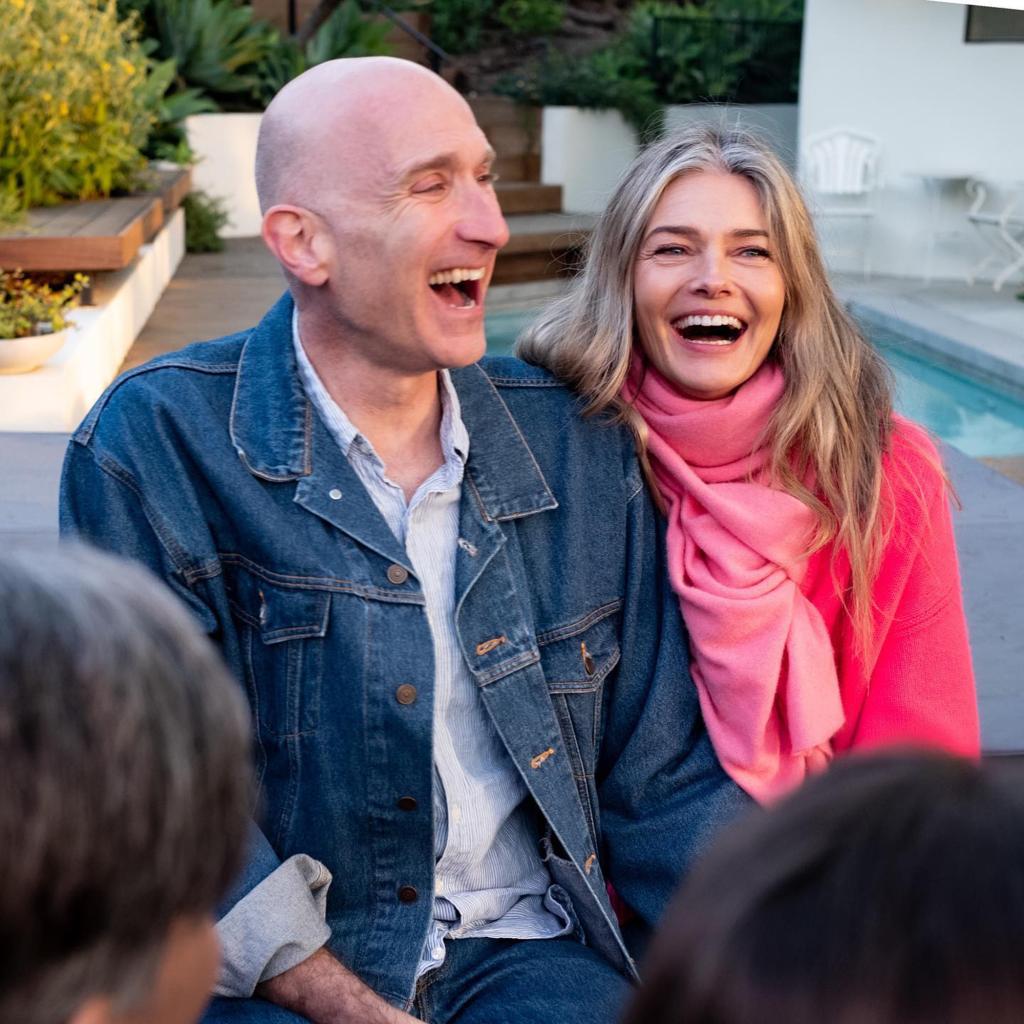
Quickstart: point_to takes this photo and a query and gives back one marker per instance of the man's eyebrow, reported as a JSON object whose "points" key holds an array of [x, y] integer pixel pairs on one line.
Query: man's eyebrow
{"points": [[688, 232], [443, 162]]}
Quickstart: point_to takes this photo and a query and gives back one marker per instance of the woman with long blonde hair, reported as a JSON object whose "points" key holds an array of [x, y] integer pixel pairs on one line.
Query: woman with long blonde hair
{"points": [[809, 534]]}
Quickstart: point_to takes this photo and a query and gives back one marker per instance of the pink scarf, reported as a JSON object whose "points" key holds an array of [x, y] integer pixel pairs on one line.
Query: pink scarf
{"points": [[762, 657]]}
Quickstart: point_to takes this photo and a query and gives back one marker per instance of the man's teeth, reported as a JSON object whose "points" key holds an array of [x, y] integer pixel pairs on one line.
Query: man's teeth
{"points": [[711, 321], [457, 275]]}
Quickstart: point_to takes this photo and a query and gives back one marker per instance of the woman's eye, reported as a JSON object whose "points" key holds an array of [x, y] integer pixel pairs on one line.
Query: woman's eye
{"points": [[671, 250], [488, 178], [756, 251], [428, 186]]}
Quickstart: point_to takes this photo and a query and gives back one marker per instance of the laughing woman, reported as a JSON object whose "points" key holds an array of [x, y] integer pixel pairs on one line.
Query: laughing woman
{"points": [[809, 533]]}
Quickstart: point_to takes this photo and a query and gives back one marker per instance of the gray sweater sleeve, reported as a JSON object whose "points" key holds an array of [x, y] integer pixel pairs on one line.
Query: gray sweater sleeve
{"points": [[275, 926]]}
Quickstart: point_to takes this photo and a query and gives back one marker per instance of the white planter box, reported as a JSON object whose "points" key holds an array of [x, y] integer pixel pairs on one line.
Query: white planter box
{"points": [[776, 123], [58, 395], [225, 145], [586, 152]]}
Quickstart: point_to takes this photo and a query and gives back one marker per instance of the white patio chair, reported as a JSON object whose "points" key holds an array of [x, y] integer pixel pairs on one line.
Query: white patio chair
{"points": [[842, 163], [1001, 228]]}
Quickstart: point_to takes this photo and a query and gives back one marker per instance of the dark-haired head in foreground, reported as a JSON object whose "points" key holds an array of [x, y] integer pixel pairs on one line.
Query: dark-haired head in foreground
{"points": [[888, 891], [125, 795]]}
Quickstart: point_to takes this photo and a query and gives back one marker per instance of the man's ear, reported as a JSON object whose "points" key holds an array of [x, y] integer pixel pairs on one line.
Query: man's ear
{"points": [[295, 237], [95, 1010]]}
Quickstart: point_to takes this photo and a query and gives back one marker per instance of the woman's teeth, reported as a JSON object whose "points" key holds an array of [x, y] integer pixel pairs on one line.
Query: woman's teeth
{"points": [[710, 321], [708, 329]]}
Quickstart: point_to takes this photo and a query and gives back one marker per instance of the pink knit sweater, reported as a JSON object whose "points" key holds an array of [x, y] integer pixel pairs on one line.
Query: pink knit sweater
{"points": [[916, 684]]}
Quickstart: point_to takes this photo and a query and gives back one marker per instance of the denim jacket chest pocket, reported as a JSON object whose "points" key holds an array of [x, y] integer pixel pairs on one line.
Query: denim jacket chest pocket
{"points": [[281, 631], [576, 659]]}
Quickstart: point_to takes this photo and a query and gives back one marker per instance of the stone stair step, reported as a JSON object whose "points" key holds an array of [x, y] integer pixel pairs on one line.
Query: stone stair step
{"points": [[514, 132], [542, 246], [528, 197]]}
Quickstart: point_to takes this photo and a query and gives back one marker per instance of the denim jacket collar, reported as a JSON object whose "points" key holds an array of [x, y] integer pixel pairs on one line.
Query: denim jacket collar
{"points": [[272, 425]]}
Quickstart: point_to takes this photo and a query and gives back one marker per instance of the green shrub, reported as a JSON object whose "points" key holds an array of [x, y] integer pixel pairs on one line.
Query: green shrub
{"points": [[216, 47], [204, 218], [531, 17], [346, 33], [76, 99], [613, 78], [458, 25], [28, 307]]}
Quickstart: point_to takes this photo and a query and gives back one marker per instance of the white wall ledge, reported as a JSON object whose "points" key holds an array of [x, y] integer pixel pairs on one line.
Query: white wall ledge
{"points": [[57, 395]]}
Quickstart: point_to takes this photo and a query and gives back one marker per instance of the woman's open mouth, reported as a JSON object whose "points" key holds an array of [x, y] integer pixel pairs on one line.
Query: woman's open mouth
{"points": [[701, 329], [458, 287]]}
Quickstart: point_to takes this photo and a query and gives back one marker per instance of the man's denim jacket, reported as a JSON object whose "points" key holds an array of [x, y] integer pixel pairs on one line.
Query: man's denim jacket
{"points": [[211, 466]]}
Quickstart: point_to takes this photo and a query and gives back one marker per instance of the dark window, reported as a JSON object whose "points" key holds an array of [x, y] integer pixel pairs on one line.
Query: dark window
{"points": [[994, 25]]}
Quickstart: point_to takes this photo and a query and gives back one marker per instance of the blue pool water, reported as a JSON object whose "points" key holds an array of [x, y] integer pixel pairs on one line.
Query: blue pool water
{"points": [[978, 418]]}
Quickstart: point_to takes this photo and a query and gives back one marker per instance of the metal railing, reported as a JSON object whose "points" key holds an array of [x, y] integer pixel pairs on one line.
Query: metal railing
{"points": [[696, 59], [436, 57]]}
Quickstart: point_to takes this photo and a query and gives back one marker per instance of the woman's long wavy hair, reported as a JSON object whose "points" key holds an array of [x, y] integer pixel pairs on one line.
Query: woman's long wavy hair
{"points": [[834, 420]]}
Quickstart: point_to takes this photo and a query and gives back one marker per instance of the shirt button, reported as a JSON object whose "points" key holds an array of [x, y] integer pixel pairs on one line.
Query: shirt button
{"points": [[334, 494], [405, 694], [407, 803], [407, 894], [397, 574]]}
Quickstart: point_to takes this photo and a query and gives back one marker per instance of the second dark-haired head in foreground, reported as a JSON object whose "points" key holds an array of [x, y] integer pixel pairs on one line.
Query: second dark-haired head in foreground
{"points": [[888, 891], [124, 748]]}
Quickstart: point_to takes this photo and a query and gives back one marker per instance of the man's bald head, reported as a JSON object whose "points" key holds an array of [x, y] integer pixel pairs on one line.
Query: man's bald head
{"points": [[333, 123]]}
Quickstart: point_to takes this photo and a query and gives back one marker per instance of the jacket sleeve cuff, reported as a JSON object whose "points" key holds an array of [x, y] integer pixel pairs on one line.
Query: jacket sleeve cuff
{"points": [[275, 926]]}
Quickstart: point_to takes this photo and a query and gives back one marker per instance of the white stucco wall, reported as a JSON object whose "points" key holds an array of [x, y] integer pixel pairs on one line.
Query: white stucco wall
{"points": [[586, 152], [900, 70], [225, 149], [775, 122]]}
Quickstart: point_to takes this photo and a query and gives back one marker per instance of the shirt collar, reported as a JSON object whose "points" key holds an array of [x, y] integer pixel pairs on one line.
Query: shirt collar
{"points": [[453, 434], [274, 431]]}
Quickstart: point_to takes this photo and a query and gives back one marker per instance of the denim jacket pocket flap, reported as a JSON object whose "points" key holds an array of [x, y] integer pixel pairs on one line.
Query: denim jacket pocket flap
{"points": [[577, 657], [279, 613]]}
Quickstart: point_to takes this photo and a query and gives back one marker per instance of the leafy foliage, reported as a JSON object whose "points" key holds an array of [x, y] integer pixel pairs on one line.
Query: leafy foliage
{"points": [[215, 46], [204, 218], [28, 307], [78, 102], [463, 26], [742, 50], [458, 25], [531, 17], [346, 33]]}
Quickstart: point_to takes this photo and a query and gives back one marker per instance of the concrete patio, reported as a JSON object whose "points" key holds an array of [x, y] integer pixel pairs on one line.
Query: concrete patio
{"points": [[217, 293]]}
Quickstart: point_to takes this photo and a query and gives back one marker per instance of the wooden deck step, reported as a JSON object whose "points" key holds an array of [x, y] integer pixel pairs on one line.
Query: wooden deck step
{"points": [[514, 132], [528, 197], [98, 234], [542, 246]]}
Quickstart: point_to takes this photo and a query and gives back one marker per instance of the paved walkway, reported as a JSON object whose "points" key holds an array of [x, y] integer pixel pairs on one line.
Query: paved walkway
{"points": [[217, 293]]}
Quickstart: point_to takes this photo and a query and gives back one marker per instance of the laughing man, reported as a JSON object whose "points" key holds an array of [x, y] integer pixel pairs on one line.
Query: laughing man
{"points": [[440, 587]]}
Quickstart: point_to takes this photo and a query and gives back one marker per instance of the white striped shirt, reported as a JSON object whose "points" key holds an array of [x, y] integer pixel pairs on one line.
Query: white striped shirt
{"points": [[489, 880]]}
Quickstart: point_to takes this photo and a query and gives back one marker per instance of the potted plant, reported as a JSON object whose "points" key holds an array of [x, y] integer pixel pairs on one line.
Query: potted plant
{"points": [[33, 324]]}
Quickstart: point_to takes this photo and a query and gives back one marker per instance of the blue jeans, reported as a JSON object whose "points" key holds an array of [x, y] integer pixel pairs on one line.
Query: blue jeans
{"points": [[487, 980]]}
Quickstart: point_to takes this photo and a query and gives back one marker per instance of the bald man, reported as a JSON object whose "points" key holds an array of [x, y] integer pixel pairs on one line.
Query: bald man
{"points": [[439, 586]]}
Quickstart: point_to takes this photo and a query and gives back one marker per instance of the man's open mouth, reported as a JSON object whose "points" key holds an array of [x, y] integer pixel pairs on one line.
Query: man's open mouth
{"points": [[709, 330], [458, 287]]}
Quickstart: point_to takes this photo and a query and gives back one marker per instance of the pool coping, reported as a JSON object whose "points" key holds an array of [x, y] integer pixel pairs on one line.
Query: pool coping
{"points": [[994, 356]]}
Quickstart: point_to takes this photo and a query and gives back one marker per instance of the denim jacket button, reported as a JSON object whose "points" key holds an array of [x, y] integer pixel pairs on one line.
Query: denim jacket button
{"points": [[407, 803], [407, 894], [334, 494], [405, 694], [397, 574]]}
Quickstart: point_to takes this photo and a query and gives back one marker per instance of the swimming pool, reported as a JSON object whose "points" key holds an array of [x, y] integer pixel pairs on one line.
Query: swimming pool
{"points": [[979, 418]]}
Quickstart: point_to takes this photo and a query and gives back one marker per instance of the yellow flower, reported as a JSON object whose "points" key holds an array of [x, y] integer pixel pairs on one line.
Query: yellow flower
{"points": [[18, 4], [63, 108], [128, 66]]}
